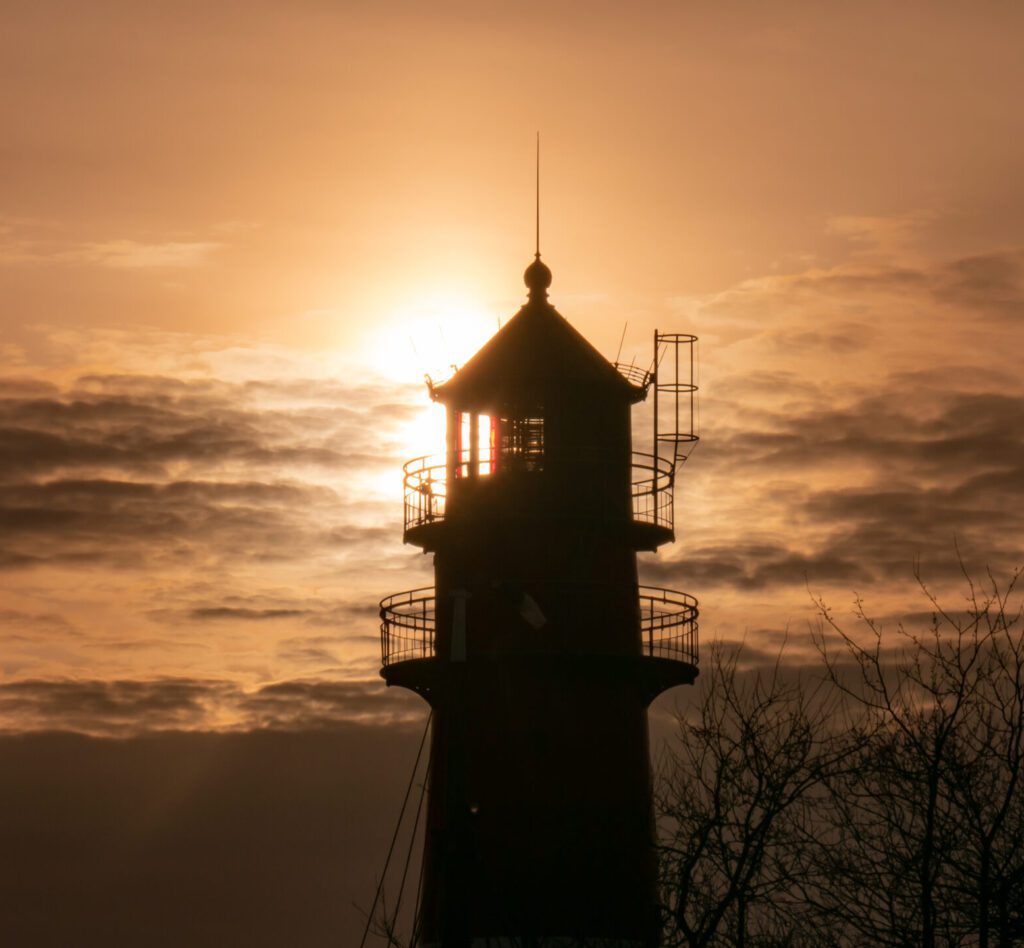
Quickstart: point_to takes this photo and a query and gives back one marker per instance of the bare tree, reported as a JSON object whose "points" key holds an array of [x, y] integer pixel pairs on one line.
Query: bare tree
{"points": [[984, 783], [880, 803], [743, 775], [925, 824]]}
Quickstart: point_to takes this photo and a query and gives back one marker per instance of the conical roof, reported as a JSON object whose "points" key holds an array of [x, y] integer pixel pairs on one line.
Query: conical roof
{"points": [[532, 352]]}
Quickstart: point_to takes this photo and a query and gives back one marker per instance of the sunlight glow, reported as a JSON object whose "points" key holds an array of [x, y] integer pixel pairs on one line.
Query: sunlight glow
{"points": [[429, 336], [424, 433]]}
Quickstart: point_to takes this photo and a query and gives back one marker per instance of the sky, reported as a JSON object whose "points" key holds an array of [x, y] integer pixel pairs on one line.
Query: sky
{"points": [[234, 238]]}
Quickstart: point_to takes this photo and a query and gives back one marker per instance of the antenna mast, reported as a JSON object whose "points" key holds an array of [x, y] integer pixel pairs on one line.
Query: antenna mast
{"points": [[537, 221]]}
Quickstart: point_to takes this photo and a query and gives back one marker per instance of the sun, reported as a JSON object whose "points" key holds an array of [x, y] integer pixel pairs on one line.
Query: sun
{"points": [[429, 336]]}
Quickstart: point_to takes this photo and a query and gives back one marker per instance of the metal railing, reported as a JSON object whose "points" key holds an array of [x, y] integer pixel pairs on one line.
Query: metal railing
{"points": [[652, 487], [634, 374], [668, 625], [426, 490], [407, 626], [425, 481]]}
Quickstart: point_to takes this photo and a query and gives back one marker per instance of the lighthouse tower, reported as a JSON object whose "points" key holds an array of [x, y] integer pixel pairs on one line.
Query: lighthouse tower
{"points": [[537, 648]]}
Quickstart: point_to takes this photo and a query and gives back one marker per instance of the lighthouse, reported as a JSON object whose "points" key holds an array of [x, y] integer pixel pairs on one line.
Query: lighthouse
{"points": [[537, 648]]}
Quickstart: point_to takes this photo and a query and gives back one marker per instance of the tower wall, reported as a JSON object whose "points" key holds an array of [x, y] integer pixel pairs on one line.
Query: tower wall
{"points": [[560, 589], [539, 820]]}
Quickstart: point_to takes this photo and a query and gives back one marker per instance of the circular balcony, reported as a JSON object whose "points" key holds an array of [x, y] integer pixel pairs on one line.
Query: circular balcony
{"points": [[652, 482], [425, 483], [653, 491], [668, 625], [407, 626]]}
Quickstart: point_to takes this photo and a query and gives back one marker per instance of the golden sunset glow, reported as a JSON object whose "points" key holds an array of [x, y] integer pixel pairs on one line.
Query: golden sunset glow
{"points": [[226, 326], [235, 240], [428, 337]]}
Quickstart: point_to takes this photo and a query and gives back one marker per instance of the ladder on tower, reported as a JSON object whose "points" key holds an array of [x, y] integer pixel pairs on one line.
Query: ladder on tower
{"points": [[675, 397]]}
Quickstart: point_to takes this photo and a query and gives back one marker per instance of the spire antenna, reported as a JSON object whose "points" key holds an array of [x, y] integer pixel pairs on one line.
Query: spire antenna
{"points": [[537, 276], [537, 221]]}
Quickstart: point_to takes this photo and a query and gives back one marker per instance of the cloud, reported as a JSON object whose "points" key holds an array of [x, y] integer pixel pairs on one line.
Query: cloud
{"points": [[147, 424], [15, 387], [855, 420], [111, 708], [991, 284], [301, 705], [136, 255], [125, 707], [208, 524], [853, 495], [28, 625], [256, 469], [952, 436], [758, 566], [318, 650], [899, 314], [137, 525], [269, 604], [35, 243], [882, 236], [248, 615]]}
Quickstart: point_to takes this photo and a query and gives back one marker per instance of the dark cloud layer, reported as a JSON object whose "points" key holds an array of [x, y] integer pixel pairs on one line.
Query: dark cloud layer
{"points": [[755, 567], [142, 424], [130, 707], [856, 494], [219, 524], [128, 467], [908, 431], [986, 289], [119, 520]]}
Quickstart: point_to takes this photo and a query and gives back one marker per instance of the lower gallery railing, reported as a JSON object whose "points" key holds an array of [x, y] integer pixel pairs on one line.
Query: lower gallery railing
{"points": [[407, 625], [668, 625]]}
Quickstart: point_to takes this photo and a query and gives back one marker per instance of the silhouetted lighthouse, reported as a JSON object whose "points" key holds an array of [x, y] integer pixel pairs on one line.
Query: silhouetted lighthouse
{"points": [[537, 649]]}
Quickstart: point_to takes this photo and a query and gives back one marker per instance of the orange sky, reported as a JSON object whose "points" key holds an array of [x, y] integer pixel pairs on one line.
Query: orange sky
{"points": [[232, 241], [233, 238], [318, 161]]}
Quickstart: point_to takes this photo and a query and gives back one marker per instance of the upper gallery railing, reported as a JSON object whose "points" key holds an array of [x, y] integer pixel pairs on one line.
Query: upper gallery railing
{"points": [[426, 490]]}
